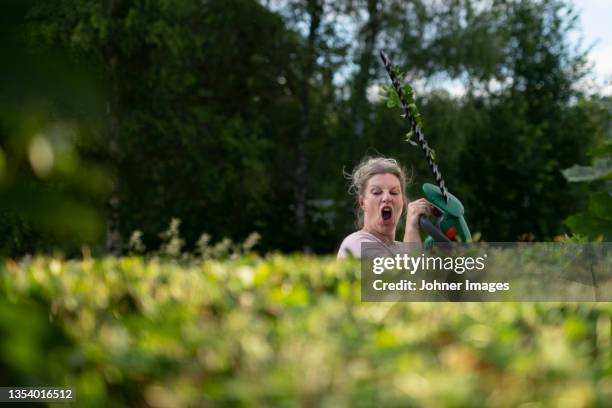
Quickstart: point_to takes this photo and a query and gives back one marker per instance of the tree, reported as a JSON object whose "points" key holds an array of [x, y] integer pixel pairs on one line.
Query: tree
{"points": [[534, 128], [48, 192], [193, 87], [238, 117]]}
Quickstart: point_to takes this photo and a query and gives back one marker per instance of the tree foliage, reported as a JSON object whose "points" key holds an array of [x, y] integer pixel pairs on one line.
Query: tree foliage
{"points": [[594, 221], [49, 195], [238, 116], [284, 330]]}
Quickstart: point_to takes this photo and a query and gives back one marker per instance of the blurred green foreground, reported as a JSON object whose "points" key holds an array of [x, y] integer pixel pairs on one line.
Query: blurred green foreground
{"points": [[285, 331]]}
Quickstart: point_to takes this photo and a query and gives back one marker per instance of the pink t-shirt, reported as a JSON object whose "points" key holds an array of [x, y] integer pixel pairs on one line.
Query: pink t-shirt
{"points": [[351, 246]]}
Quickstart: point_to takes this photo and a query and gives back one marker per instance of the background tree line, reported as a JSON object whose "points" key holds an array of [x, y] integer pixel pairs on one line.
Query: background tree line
{"points": [[238, 116]]}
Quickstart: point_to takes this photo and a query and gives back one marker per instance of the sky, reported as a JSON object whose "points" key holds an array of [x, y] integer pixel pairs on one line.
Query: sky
{"points": [[595, 19], [595, 30]]}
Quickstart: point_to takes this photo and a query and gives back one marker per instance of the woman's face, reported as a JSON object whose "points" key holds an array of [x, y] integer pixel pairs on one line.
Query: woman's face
{"points": [[382, 204]]}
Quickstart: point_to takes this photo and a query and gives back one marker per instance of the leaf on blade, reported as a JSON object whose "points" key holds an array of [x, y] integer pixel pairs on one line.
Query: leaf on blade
{"points": [[409, 136]]}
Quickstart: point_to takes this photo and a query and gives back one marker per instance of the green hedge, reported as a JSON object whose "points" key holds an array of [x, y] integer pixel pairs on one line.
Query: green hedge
{"points": [[285, 331]]}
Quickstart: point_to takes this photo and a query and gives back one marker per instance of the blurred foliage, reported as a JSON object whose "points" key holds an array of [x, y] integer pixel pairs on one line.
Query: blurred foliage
{"points": [[285, 331], [595, 221], [49, 194], [172, 245]]}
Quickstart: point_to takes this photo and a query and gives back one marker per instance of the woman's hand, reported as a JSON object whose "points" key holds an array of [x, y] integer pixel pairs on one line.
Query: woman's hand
{"points": [[414, 211]]}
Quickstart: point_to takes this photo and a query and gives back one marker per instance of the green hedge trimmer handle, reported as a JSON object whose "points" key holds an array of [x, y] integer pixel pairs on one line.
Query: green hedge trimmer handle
{"points": [[450, 223]]}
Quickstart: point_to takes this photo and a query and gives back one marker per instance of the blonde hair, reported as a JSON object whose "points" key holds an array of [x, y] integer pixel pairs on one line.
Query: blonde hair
{"points": [[364, 171]]}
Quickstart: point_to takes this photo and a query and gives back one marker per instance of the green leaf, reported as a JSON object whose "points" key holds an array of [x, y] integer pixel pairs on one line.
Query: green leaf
{"points": [[588, 225], [600, 205], [393, 99], [398, 72], [408, 92], [601, 168], [409, 137]]}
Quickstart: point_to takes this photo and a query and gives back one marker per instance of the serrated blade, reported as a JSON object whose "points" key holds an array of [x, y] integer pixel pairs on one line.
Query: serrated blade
{"points": [[415, 127]]}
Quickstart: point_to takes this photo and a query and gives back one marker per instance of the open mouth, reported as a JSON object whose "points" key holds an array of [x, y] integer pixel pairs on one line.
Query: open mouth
{"points": [[386, 213]]}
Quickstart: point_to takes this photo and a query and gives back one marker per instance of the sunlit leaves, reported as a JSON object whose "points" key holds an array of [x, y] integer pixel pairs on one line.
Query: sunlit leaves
{"points": [[601, 169], [283, 328]]}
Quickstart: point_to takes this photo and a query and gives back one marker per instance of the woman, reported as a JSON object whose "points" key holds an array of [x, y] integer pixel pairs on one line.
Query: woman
{"points": [[380, 187]]}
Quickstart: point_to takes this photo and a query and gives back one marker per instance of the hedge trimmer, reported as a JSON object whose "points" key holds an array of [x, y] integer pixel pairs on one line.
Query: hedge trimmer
{"points": [[449, 222]]}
